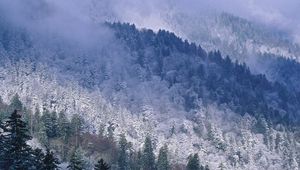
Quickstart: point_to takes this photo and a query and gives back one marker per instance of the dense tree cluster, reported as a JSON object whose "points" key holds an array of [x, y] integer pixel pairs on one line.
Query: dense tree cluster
{"points": [[209, 76], [50, 128], [16, 153]]}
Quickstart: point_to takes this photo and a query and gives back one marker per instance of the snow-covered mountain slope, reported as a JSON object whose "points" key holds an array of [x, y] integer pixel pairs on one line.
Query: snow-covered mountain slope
{"points": [[265, 49], [146, 83], [234, 36], [217, 134], [243, 40]]}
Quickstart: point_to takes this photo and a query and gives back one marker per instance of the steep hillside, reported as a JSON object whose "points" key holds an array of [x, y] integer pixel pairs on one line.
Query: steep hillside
{"points": [[144, 83], [266, 50]]}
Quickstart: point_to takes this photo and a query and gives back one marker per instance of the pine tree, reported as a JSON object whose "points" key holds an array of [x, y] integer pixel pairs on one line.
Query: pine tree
{"points": [[148, 155], [101, 165], [42, 134], [140, 159], [55, 125], [36, 120], [47, 121], [133, 158], [76, 162], [64, 126], [136, 160], [50, 161], [15, 103], [76, 127], [2, 144], [16, 152], [193, 163], [110, 130], [122, 155], [37, 159], [50, 122], [64, 133], [163, 162]]}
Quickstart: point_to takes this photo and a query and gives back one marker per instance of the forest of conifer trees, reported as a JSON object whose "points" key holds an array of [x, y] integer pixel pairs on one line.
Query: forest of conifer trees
{"points": [[61, 143]]}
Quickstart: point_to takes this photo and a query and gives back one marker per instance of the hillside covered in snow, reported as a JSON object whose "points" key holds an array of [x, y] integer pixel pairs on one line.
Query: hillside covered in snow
{"points": [[187, 94]]}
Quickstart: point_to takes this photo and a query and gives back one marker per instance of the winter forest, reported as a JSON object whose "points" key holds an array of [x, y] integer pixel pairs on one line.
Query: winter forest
{"points": [[152, 85], [55, 131]]}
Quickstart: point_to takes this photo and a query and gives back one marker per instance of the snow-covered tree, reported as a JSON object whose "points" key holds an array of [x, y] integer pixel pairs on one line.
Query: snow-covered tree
{"points": [[16, 151], [163, 159], [193, 163], [101, 165], [50, 161], [122, 153], [76, 161], [148, 155]]}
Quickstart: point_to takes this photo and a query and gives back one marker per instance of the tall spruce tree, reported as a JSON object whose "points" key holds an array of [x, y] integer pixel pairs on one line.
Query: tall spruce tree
{"points": [[163, 161], [50, 161], [148, 155], [133, 163], [64, 133], [76, 127], [36, 120], [2, 144], [76, 161], [64, 126], [55, 125], [193, 163], [122, 154], [47, 122], [15, 103], [16, 153], [37, 159], [101, 165], [139, 160]]}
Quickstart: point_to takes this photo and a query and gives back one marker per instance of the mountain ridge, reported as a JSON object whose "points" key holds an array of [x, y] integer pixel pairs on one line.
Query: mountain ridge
{"points": [[160, 82]]}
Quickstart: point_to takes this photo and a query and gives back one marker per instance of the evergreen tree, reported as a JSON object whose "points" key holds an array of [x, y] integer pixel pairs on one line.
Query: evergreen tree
{"points": [[133, 158], [42, 134], [76, 161], [163, 162], [101, 165], [193, 163], [55, 125], [110, 130], [64, 133], [139, 160], [47, 121], [50, 161], [16, 152], [76, 127], [28, 118], [37, 159], [36, 120], [50, 121], [64, 126], [148, 155], [2, 144], [15, 103], [122, 155]]}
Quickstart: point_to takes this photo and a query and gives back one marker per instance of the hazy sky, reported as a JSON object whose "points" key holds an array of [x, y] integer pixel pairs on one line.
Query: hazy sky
{"points": [[148, 13], [278, 13]]}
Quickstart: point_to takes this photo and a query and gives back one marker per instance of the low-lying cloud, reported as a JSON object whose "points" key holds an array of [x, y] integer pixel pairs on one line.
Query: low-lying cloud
{"points": [[75, 19]]}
